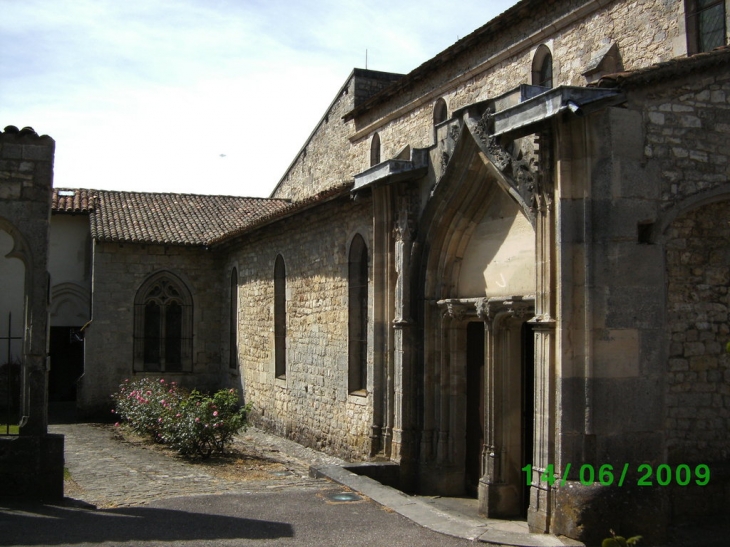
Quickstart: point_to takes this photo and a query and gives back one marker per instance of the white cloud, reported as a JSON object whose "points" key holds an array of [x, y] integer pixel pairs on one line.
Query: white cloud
{"points": [[148, 95]]}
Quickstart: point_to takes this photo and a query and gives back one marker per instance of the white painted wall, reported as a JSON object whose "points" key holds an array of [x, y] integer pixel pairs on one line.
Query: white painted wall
{"points": [[69, 265]]}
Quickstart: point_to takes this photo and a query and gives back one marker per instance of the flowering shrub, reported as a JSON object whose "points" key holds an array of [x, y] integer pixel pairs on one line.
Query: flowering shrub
{"points": [[193, 423]]}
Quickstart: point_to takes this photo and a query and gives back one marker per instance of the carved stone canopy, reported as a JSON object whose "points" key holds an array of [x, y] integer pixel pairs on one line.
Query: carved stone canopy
{"points": [[487, 309]]}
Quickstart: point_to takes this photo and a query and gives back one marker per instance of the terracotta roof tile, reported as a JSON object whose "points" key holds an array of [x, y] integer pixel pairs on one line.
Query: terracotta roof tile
{"points": [[72, 200], [178, 219], [175, 219], [291, 208]]}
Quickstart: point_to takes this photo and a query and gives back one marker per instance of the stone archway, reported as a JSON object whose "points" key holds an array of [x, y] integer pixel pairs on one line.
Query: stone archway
{"points": [[478, 266]]}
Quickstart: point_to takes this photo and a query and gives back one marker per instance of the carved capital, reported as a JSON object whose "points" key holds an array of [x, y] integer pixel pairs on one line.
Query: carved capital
{"points": [[483, 312]]}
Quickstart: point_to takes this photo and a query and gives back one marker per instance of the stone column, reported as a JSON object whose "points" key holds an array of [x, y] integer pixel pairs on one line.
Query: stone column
{"points": [[497, 485], [31, 465], [402, 445], [382, 411], [539, 512]]}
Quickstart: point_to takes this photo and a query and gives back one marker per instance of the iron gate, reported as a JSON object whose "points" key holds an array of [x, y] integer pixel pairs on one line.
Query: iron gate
{"points": [[10, 383]]}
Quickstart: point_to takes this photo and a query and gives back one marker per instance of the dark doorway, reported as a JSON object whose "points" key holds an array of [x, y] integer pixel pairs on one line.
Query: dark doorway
{"points": [[474, 405], [528, 404], [67, 363]]}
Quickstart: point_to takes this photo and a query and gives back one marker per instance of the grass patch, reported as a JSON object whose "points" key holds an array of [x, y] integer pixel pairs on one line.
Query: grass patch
{"points": [[66, 474], [14, 430]]}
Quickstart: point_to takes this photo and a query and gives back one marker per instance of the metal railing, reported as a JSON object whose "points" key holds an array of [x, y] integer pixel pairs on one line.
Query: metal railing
{"points": [[10, 385]]}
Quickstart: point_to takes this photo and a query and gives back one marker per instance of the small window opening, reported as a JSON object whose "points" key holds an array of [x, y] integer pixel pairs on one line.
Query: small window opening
{"points": [[440, 112], [645, 230], [280, 317], [542, 67], [375, 150]]}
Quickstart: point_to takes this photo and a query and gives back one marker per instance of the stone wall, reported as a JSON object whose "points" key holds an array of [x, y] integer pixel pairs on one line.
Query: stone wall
{"points": [[119, 270], [312, 404], [687, 131], [577, 32], [325, 160], [645, 33], [31, 465], [698, 383], [26, 177]]}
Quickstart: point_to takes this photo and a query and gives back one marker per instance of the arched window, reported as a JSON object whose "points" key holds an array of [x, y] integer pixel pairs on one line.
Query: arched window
{"points": [[705, 25], [280, 317], [375, 150], [163, 323], [440, 112], [357, 279], [233, 321], [542, 67]]}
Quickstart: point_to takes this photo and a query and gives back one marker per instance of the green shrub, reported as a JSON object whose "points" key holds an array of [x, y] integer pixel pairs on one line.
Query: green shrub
{"points": [[620, 541], [193, 423]]}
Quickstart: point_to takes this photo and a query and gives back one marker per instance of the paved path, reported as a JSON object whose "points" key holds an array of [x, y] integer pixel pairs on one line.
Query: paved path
{"points": [[147, 498], [107, 472]]}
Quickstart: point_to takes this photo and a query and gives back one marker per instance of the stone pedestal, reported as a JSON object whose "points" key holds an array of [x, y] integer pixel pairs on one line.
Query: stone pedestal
{"points": [[31, 467]]}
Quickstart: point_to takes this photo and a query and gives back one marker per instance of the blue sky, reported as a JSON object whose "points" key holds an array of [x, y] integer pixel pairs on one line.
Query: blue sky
{"points": [[200, 96]]}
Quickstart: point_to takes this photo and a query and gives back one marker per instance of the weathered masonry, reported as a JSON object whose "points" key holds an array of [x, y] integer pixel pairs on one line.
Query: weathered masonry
{"points": [[31, 459], [513, 259]]}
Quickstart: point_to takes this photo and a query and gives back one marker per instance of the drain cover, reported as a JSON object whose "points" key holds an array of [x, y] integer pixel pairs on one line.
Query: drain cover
{"points": [[344, 496]]}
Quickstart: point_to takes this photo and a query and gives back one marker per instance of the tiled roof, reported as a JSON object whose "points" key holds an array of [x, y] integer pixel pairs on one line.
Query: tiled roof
{"points": [[72, 200], [668, 69], [178, 219], [174, 219], [291, 208]]}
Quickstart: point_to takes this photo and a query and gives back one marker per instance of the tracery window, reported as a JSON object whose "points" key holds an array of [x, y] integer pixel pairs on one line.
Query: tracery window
{"points": [[163, 325], [705, 25], [357, 315], [280, 317], [542, 67]]}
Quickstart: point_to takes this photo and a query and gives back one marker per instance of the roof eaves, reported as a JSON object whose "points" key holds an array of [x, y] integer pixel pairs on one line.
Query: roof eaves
{"points": [[515, 13], [673, 68], [293, 208]]}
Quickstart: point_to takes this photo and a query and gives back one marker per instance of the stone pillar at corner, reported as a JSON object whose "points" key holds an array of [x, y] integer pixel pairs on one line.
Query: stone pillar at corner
{"points": [[31, 464]]}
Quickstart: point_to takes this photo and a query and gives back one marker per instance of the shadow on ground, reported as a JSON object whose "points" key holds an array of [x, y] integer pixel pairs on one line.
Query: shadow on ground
{"points": [[33, 524]]}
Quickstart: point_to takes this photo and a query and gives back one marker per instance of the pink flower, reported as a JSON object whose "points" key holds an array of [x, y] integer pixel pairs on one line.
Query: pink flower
{"points": [[197, 420], [116, 424], [215, 413], [162, 380], [159, 420]]}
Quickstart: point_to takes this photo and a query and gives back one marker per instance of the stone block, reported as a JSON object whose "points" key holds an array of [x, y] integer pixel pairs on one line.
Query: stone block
{"points": [[11, 151], [38, 153], [31, 467], [628, 405], [585, 510]]}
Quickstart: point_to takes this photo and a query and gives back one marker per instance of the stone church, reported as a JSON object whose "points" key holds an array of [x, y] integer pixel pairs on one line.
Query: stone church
{"points": [[502, 271]]}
